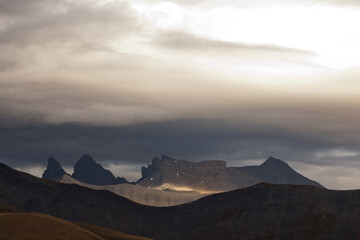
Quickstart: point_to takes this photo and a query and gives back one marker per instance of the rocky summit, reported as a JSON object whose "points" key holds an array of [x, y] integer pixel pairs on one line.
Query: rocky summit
{"points": [[54, 171], [88, 171], [215, 176]]}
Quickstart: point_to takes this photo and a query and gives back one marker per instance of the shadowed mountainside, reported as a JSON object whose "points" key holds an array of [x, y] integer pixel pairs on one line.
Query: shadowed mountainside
{"points": [[264, 211], [214, 176]]}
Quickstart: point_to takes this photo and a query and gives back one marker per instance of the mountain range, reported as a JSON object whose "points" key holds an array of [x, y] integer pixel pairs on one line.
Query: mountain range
{"points": [[263, 211], [169, 182], [214, 176]]}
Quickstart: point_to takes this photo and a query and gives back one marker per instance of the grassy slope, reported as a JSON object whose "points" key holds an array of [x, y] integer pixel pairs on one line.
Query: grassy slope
{"points": [[6, 208], [109, 234], [38, 226]]}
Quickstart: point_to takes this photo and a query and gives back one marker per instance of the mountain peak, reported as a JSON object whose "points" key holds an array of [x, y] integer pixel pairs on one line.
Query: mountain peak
{"points": [[86, 159], [87, 170], [53, 170], [274, 162]]}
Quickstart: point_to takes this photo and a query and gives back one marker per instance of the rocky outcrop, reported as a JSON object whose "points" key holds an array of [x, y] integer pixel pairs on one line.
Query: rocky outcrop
{"points": [[215, 176], [53, 171], [88, 171]]}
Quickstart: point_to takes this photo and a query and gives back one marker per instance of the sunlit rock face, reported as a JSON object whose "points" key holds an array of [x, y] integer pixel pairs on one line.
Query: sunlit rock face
{"points": [[214, 176], [88, 171], [53, 170]]}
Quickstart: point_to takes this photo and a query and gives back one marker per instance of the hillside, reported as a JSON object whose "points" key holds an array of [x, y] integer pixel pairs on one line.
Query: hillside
{"points": [[264, 211]]}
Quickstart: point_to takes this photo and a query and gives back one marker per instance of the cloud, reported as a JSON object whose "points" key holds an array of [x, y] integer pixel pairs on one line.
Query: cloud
{"points": [[189, 139], [337, 153], [184, 41], [339, 176], [269, 3], [130, 172], [21, 8], [65, 22], [43, 35]]}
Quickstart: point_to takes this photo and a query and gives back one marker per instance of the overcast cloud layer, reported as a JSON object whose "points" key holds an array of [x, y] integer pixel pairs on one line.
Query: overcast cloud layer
{"points": [[126, 81]]}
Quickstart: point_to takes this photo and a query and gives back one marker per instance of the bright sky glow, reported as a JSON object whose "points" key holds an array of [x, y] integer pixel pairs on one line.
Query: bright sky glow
{"points": [[327, 31]]}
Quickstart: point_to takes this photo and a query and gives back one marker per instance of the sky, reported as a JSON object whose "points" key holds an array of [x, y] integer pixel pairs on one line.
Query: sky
{"points": [[125, 81]]}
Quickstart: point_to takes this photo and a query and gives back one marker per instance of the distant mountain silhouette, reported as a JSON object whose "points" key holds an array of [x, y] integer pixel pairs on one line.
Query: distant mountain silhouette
{"points": [[88, 171], [54, 171], [275, 171], [263, 211], [215, 176]]}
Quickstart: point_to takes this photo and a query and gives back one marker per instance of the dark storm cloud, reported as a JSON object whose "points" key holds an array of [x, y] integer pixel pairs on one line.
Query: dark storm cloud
{"points": [[187, 139], [184, 41]]}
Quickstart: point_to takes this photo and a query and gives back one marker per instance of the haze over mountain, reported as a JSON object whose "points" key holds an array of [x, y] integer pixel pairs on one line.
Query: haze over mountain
{"points": [[139, 194], [215, 176], [264, 211]]}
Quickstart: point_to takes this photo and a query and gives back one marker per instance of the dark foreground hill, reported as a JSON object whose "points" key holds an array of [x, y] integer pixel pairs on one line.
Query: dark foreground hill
{"points": [[264, 211], [214, 176]]}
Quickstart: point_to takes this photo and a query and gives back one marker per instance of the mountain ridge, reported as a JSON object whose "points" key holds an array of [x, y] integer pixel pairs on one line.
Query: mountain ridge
{"points": [[214, 176]]}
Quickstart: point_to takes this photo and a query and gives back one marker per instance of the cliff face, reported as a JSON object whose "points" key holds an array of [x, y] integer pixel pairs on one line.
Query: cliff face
{"points": [[215, 176], [169, 173]]}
